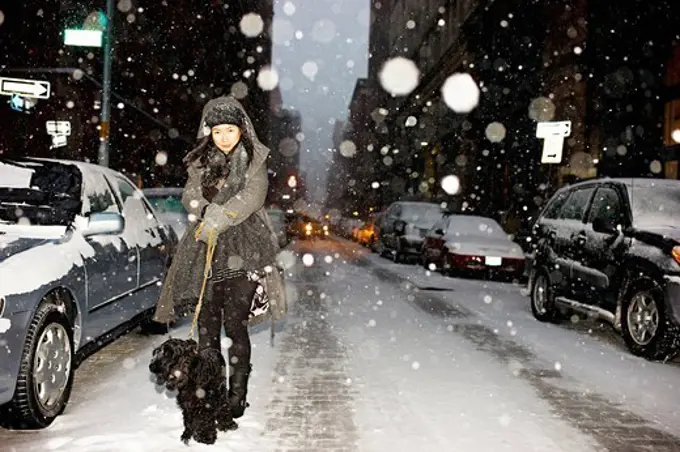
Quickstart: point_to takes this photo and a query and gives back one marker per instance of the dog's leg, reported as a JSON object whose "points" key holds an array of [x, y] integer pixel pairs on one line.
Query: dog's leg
{"points": [[188, 430], [205, 429]]}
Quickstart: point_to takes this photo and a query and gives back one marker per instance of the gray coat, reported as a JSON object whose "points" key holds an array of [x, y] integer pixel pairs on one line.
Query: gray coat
{"points": [[249, 201]]}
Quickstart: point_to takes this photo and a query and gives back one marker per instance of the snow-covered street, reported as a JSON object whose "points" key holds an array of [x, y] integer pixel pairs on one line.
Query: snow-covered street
{"points": [[377, 356]]}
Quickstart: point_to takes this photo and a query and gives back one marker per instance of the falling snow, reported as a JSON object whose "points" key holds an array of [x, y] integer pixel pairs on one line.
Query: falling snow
{"points": [[460, 93], [251, 25], [399, 76], [267, 79], [450, 184]]}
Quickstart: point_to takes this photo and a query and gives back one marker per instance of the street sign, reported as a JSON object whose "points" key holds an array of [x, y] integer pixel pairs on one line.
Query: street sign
{"points": [[83, 38], [553, 134], [18, 103], [58, 127], [58, 141], [552, 149], [550, 129], [38, 89]]}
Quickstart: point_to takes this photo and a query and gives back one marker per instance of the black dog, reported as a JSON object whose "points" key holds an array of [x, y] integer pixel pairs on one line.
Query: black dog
{"points": [[199, 376]]}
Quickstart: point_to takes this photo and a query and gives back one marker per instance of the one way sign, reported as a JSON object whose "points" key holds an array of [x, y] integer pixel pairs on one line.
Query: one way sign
{"points": [[37, 89]]}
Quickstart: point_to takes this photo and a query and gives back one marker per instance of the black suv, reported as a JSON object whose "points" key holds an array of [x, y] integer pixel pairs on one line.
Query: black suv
{"points": [[610, 248]]}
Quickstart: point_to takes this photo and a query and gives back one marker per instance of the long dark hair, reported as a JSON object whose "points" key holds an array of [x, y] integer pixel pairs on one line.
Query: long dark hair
{"points": [[215, 162]]}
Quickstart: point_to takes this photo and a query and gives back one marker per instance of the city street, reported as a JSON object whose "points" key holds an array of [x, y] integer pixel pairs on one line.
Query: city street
{"points": [[378, 356]]}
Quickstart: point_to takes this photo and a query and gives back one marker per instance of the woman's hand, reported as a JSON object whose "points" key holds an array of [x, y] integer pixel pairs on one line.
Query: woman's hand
{"points": [[204, 231]]}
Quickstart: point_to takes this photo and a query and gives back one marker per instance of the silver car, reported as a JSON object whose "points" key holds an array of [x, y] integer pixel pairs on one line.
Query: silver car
{"points": [[82, 258], [167, 201]]}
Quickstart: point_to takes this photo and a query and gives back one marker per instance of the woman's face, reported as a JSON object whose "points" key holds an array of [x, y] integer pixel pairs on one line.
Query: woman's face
{"points": [[226, 136]]}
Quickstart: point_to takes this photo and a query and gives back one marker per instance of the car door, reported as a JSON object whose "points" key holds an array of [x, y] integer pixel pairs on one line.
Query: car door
{"points": [[145, 232], [110, 261], [570, 239], [544, 235], [434, 241], [603, 251], [389, 232]]}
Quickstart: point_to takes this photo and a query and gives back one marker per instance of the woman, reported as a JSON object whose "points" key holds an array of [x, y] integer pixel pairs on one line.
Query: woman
{"points": [[224, 196]]}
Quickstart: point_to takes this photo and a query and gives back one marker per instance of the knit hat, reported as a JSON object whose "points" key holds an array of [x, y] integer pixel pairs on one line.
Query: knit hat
{"points": [[224, 112]]}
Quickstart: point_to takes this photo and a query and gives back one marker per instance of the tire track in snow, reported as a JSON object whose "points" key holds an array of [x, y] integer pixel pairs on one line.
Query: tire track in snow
{"points": [[610, 424]]}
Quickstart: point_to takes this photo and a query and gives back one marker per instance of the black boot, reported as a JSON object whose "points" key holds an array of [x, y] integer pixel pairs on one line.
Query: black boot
{"points": [[238, 388]]}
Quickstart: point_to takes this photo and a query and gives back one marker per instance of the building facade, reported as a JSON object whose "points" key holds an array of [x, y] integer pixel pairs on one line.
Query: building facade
{"points": [[286, 182], [553, 60]]}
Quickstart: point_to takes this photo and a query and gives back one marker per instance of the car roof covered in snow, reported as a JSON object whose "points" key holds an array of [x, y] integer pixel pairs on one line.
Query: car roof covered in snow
{"points": [[627, 181], [83, 166]]}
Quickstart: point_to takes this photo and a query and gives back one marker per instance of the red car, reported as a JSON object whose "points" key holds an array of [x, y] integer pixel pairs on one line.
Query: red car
{"points": [[472, 245]]}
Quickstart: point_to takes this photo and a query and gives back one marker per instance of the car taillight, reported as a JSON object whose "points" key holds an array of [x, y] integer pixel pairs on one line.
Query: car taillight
{"points": [[676, 253]]}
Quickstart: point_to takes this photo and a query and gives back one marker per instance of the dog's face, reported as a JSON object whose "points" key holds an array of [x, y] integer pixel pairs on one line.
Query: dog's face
{"points": [[171, 361]]}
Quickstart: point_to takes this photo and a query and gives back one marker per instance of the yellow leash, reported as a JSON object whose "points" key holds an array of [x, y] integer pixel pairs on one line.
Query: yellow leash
{"points": [[206, 274]]}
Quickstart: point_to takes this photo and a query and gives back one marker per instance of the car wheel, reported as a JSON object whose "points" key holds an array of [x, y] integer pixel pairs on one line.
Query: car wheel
{"points": [[645, 326], [46, 371], [542, 298]]}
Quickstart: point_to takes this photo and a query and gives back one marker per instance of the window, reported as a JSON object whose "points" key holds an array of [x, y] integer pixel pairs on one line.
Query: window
{"points": [[441, 224], [173, 204], [607, 206], [125, 189], [575, 207], [98, 195], [555, 205], [395, 211]]}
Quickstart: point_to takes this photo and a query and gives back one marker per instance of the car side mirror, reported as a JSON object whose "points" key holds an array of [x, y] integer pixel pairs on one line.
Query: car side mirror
{"points": [[104, 223], [604, 227], [439, 231]]}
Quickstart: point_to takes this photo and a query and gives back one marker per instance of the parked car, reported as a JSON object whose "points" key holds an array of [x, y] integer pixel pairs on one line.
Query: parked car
{"points": [[167, 201], [365, 234], [304, 227], [378, 222], [461, 244], [610, 248], [404, 228], [82, 259]]}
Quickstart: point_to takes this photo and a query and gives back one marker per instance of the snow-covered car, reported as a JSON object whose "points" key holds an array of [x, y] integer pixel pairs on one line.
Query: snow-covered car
{"points": [[474, 245], [82, 259], [167, 201], [404, 228]]}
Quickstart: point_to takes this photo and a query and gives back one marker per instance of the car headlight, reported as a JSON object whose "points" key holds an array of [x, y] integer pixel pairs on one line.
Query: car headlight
{"points": [[325, 227], [308, 227]]}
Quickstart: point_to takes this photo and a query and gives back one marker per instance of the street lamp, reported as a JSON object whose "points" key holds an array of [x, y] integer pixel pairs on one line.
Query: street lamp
{"points": [[91, 36]]}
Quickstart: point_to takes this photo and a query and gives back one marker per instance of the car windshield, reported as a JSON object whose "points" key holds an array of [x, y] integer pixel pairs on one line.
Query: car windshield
{"points": [[655, 203], [39, 192], [473, 226], [422, 214], [167, 204]]}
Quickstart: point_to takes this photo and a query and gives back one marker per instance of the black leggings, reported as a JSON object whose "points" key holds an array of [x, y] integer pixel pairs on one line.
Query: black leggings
{"points": [[229, 307]]}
